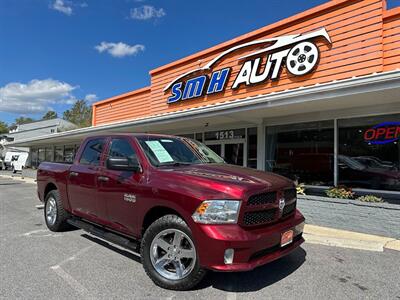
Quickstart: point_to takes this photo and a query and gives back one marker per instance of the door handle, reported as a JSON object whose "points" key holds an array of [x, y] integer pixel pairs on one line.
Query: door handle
{"points": [[103, 178], [73, 174]]}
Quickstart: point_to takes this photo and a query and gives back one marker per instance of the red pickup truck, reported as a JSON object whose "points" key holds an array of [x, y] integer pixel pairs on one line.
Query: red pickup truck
{"points": [[174, 200]]}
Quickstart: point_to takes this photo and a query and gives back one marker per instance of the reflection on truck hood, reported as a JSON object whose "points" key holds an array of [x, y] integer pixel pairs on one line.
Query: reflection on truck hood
{"points": [[235, 175]]}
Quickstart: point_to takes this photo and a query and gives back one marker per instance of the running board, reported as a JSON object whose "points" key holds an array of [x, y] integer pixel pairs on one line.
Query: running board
{"points": [[105, 234]]}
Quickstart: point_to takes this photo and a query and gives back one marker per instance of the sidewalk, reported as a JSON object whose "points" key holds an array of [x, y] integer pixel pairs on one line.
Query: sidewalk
{"points": [[382, 219]]}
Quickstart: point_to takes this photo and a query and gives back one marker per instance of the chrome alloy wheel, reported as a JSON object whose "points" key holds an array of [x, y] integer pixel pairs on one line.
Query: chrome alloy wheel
{"points": [[51, 211], [173, 254]]}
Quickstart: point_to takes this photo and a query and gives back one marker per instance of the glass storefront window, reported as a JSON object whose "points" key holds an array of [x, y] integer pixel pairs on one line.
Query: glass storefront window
{"points": [[34, 158], [59, 154], [252, 147], [69, 153], [199, 137], [302, 152], [369, 152], [48, 154], [41, 155]]}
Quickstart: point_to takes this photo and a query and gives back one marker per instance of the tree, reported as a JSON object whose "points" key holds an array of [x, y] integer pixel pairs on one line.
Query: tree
{"points": [[23, 120], [50, 115], [3, 127], [80, 114]]}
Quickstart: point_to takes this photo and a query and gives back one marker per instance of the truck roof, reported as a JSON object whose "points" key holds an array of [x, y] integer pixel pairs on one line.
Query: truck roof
{"points": [[132, 135]]}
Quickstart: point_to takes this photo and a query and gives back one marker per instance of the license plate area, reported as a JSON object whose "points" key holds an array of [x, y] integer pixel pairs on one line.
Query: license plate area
{"points": [[286, 238]]}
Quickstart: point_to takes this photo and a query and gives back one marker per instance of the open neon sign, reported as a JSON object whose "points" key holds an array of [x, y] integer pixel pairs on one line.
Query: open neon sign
{"points": [[383, 133]]}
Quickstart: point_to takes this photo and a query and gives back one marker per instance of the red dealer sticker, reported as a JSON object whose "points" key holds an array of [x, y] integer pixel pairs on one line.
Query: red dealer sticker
{"points": [[383, 133]]}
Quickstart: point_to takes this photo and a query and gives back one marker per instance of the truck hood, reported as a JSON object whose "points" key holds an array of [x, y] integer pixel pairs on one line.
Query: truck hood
{"points": [[231, 180]]}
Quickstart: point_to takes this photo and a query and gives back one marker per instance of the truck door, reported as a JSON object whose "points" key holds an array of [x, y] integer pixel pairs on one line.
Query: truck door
{"points": [[83, 181], [121, 191]]}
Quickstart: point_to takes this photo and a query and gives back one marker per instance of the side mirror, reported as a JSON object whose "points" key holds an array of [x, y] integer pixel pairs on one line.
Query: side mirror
{"points": [[122, 164]]}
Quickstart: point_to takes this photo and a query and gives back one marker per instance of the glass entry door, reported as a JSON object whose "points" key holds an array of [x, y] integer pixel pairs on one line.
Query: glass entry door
{"points": [[231, 151]]}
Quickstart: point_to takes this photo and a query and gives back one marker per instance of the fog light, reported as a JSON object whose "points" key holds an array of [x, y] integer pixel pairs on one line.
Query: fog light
{"points": [[228, 256]]}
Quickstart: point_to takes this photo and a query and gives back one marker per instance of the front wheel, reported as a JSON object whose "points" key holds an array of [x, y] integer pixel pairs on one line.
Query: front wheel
{"points": [[169, 254]]}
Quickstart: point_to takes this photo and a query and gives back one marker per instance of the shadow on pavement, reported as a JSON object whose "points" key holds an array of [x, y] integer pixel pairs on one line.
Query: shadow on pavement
{"points": [[234, 282], [259, 278]]}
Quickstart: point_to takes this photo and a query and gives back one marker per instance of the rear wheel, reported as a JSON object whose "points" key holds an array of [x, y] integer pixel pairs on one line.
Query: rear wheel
{"points": [[169, 254], [54, 213]]}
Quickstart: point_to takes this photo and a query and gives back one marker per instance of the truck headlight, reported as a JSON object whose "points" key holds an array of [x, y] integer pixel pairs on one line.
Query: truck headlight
{"points": [[217, 212]]}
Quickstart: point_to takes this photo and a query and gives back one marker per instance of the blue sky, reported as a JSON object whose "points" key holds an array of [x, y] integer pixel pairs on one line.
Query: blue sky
{"points": [[55, 51]]}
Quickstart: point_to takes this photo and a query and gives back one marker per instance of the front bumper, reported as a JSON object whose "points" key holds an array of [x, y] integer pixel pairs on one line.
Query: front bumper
{"points": [[253, 247]]}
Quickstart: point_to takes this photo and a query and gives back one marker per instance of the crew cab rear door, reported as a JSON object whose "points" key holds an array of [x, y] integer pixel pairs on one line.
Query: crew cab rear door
{"points": [[83, 181], [121, 191]]}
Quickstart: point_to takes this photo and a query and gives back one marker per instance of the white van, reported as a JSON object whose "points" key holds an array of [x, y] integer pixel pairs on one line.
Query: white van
{"points": [[15, 160]]}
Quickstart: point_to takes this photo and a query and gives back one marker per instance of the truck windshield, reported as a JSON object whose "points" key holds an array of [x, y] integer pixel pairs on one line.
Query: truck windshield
{"points": [[167, 151]]}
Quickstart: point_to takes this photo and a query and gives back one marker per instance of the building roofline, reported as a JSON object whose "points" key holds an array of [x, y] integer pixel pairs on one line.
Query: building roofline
{"points": [[295, 95], [393, 12], [253, 34]]}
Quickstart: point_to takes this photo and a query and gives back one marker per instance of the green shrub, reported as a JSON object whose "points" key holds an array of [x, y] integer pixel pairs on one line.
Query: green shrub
{"points": [[370, 198], [340, 192], [300, 188]]}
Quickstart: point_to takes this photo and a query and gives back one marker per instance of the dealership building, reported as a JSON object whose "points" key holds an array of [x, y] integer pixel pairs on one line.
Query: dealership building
{"points": [[315, 97]]}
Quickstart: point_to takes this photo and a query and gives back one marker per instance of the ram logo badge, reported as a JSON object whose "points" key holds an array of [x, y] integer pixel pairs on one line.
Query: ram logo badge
{"points": [[130, 198]]}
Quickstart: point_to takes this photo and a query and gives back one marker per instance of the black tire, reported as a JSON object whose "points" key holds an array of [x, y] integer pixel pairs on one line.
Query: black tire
{"points": [[186, 283], [62, 215]]}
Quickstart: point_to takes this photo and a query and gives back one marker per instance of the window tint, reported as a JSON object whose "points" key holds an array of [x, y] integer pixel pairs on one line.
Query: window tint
{"points": [[122, 148], [92, 153]]}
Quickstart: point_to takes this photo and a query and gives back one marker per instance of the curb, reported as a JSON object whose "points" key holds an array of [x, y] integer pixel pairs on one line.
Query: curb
{"points": [[384, 205], [26, 180], [348, 239]]}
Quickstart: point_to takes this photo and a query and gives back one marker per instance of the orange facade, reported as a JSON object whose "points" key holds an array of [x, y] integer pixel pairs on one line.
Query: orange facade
{"points": [[365, 39]]}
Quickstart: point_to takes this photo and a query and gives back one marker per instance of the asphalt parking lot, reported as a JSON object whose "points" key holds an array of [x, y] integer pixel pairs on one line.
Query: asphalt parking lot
{"points": [[36, 263]]}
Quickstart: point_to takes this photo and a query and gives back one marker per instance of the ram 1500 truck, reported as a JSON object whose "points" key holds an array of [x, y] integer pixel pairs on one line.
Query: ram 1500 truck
{"points": [[174, 200]]}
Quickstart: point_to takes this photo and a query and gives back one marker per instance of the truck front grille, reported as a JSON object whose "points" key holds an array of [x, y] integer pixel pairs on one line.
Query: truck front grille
{"points": [[289, 209], [259, 217], [261, 199], [289, 194], [263, 208]]}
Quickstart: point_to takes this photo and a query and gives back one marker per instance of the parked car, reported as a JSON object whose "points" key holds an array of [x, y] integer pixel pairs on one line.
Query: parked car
{"points": [[174, 200]]}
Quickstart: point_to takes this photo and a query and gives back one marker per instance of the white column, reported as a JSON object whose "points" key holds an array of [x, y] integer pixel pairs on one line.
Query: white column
{"points": [[335, 152], [261, 146]]}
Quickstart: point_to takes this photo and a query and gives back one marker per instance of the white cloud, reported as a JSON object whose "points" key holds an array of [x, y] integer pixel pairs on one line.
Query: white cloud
{"points": [[91, 98], [147, 12], [36, 96], [119, 49], [61, 6]]}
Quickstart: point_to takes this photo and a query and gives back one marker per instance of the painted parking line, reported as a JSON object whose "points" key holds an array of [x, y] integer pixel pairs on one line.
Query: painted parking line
{"points": [[72, 282]]}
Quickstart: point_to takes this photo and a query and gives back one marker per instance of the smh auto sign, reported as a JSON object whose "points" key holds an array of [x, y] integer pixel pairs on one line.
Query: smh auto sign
{"points": [[298, 52]]}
